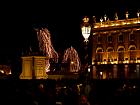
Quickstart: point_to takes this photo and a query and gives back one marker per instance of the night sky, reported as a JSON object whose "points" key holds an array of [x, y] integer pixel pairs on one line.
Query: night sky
{"points": [[61, 18]]}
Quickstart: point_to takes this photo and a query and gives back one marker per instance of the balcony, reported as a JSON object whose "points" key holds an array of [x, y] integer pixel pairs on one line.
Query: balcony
{"points": [[117, 23]]}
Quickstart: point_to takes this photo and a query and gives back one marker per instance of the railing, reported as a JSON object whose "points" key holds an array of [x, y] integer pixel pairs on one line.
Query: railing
{"points": [[117, 23]]}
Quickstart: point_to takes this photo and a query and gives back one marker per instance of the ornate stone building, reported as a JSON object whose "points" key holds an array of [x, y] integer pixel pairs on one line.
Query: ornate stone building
{"points": [[116, 48]]}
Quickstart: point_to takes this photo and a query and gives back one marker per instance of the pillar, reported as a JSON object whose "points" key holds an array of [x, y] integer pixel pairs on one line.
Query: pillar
{"points": [[126, 71], [26, 68], [94, 72], [138, 70], [115, 69]]}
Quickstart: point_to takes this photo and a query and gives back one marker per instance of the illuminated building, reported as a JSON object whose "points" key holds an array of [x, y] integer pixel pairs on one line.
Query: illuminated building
{"points": [[116, 47], [33, 67]]}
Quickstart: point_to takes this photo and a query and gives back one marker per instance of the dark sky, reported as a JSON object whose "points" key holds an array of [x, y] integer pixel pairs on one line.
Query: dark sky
{"points": [[61, 18]]}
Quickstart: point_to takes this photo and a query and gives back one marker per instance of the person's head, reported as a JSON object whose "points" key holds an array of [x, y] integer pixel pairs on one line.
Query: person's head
{"points": [[83, 99]]}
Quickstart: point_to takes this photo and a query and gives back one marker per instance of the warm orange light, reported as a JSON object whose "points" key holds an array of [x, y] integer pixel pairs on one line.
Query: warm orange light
{"points": [[1, 71], [126, 61], [72, 62], [86, 32], [138, 61], [116, 23]]}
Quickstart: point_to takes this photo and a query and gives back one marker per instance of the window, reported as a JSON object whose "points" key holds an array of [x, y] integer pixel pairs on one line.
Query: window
{"points": [[131, 37], [110, 54], [132, 52], [120, 39], [99, 54], [109, 38], [99, 39]]}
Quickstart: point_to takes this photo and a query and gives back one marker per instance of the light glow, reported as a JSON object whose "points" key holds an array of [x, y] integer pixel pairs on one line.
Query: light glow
{"points": [[46, 46], [72, 55], [101, 73], [86, 32], [1, 71], [117, 23], [88, 69]]}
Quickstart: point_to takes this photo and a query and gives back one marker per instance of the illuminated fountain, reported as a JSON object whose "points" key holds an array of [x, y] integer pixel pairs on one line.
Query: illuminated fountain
{"points": [[71, 56], [45, 45]]}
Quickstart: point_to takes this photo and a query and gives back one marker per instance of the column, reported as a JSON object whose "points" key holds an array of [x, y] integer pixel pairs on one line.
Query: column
{"points": [[126, 71], [115, 69], [94, 72], [138, 70]]}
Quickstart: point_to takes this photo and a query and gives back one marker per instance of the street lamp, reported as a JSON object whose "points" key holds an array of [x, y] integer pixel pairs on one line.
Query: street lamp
{"points": [[86, 30], [126, 15]]}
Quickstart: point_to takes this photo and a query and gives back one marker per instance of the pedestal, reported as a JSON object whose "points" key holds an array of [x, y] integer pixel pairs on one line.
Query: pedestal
{"points": [[33, 67]]}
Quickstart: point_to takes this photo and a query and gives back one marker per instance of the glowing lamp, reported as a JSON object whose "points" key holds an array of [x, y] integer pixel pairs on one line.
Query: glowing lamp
{"points": [[88, 69], [86, 29], [105, 17], [101, 73], [86, 32], [126, 15], [138, 14]]}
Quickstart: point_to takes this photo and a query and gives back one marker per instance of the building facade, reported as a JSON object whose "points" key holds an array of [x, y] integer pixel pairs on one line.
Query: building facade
{"points": [[116, 48]]}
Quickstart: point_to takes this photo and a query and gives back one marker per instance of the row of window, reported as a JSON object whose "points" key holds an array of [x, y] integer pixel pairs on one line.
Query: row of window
{"points": [[120, 38], [120, 49], [132, 56]]}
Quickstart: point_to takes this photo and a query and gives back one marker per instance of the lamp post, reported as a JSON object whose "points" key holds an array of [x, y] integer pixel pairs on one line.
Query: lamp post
{"points": [[86, 30]]}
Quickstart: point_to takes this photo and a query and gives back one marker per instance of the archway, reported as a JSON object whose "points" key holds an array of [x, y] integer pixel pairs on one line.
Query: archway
{"points": [[109, 53], [121, 50], [99, 54], [132, 52]]}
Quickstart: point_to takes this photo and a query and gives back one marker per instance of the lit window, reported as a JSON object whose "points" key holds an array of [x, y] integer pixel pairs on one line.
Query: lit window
{"points": [[110, 56], [99, 55], [132, 53]]}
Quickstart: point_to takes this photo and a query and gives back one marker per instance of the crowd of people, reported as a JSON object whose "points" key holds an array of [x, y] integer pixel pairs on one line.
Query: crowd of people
{"points": [[69, 92]]}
